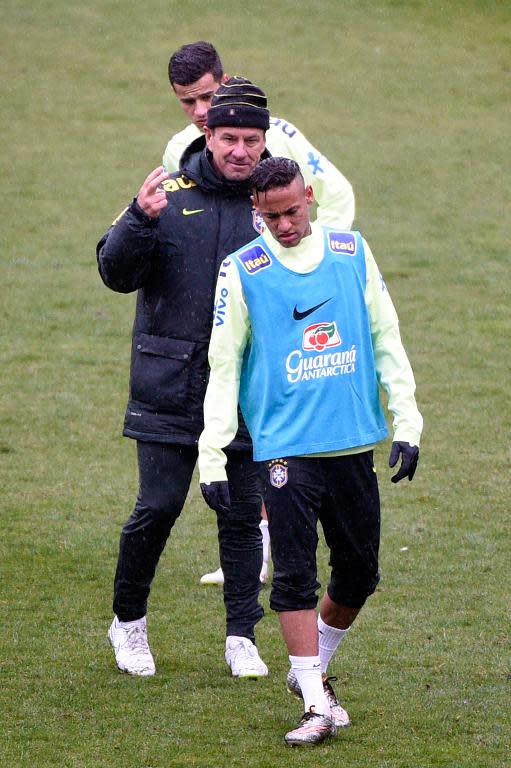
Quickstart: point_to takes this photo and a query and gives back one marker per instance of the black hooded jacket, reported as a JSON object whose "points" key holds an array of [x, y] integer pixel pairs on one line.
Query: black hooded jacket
{"points": [[173, 263]]}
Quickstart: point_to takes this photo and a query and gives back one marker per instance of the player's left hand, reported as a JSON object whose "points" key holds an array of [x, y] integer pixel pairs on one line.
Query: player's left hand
{"points": [[216, 495], [409, 458]]}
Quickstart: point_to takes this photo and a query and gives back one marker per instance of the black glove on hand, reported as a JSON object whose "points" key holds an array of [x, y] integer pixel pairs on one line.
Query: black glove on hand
{"points": [[216, 495], [409, 458]]}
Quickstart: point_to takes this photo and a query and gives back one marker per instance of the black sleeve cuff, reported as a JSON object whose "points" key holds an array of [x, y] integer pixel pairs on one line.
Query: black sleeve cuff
{"points": [[141, 216]]}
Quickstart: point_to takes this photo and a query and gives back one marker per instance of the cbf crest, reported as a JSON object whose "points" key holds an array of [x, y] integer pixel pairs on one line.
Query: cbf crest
{"points": [[258, 221], [278, 472]]}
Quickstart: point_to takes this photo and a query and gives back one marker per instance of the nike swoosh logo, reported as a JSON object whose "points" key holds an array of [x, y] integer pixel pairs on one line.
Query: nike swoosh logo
{"points": [[186, 212], [300, 315]]}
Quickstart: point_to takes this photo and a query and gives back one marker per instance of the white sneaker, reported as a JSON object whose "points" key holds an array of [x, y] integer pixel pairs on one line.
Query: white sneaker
{"points": [[215, 577], [312, 729], [243, 658], [263, 576], [132, 652], [338, 714]]}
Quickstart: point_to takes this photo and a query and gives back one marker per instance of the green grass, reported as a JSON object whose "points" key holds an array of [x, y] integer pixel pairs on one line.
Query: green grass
{"points": [[410, 99]]}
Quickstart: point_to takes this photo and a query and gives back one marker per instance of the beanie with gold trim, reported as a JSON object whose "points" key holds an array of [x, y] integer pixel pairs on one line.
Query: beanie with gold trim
{"points": [[239, 103]]}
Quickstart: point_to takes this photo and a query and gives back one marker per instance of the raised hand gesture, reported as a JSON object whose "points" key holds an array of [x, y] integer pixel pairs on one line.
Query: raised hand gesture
{"points": [[151, 197]]}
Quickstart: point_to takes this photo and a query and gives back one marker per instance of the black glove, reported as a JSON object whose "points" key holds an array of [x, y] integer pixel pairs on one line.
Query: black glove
{"points": [[216, 495], [409, 458]]}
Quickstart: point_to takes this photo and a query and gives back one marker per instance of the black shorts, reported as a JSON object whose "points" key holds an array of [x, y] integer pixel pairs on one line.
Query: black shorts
{"points": [[342, 493]]}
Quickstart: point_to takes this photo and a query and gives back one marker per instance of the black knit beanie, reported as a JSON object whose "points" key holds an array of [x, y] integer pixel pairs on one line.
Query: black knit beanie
{"points": [[239, 103]]}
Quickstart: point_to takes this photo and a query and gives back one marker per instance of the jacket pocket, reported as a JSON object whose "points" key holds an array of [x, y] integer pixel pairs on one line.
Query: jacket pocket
{"points": [[160, 371]]}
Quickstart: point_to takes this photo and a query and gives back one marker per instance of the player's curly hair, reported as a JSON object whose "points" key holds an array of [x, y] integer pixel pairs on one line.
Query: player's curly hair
{"points": [[194, 60], [274, 172]]}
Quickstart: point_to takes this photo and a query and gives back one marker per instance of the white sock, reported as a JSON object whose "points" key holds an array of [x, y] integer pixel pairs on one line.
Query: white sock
{"points": [[308, 673], [263, 525], [329, 639]]}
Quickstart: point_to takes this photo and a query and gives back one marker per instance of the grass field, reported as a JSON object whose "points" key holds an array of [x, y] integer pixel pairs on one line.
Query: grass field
{"points": [[411, 100]]}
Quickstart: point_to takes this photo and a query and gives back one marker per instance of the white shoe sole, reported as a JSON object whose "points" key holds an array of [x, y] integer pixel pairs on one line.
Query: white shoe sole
{"points": [[216, 578]]}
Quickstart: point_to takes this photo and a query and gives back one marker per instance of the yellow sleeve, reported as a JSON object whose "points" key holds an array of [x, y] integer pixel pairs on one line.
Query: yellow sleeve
{"points": [[393, 368], [177, 145], [231, 331], [332, 191]]}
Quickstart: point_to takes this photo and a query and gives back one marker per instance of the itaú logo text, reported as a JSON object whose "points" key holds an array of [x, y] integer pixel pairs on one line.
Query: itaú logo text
{"points": [[342, 242]]}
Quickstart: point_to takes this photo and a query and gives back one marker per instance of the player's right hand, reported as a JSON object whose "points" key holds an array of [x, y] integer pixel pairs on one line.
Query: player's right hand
{"points": [[151, 197]]}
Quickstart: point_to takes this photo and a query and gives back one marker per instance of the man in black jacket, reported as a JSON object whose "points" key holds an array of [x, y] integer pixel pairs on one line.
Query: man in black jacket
{"points": [[169, 245]]}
